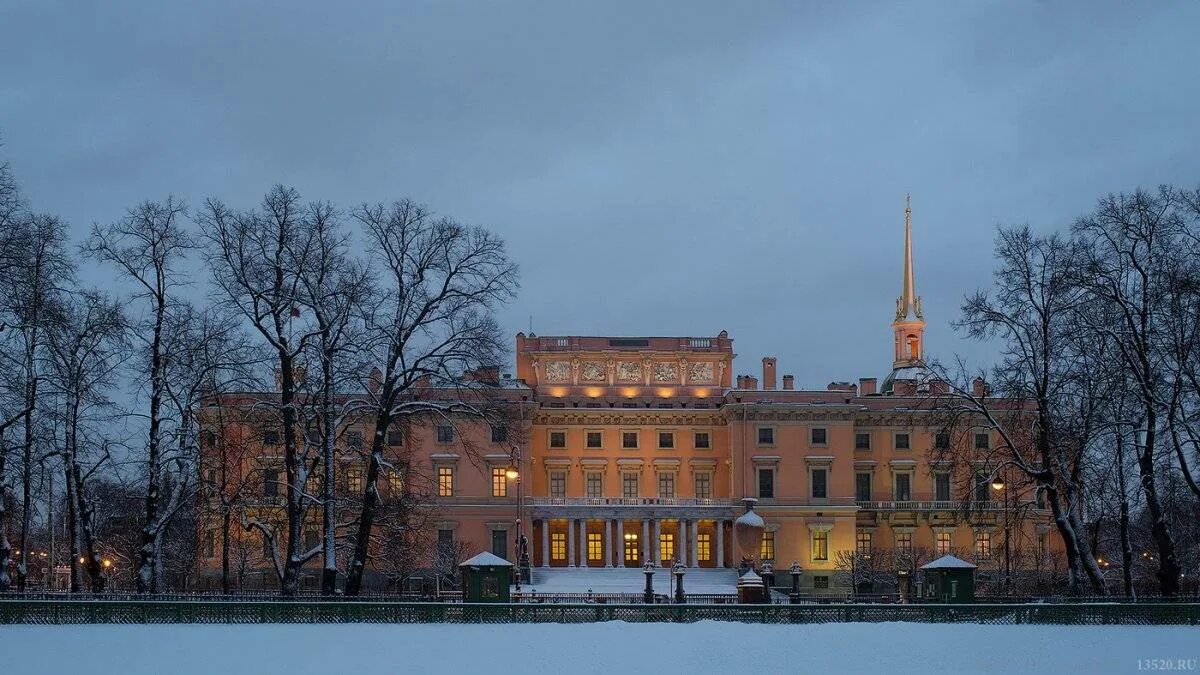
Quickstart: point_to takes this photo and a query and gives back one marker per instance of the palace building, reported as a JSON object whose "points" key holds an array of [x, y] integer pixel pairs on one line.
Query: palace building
{"points": [[642, 449]]}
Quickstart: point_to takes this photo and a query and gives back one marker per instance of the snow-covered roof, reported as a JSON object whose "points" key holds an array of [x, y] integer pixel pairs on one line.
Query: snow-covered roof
{"points": [[948, 562], [486, 558]]}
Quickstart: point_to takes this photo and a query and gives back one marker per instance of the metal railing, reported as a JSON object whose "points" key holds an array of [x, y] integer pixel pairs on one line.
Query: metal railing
{"points": [[627, 501], [157, 611], [920, 505]]}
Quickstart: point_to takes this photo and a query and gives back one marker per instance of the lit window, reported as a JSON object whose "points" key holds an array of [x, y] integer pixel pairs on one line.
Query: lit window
{"points": [[558, 546], [629, 485], [766, 550], [395, 479], [904, 542], [981, 441], [902, 442], [666, 439], [595, 484], [704, 546], [595, 546], [766, 435], [666, 485], [666, 546], [766, 483], [703, 485], [631, 548], [820, 487], [594, 439], [445, 433], [983, 545], [863, 543], [558, 439], [942, 543], [862, 441], [820, 545], [629, 439], [817, 436], [558, 484], [499, 482], [354, 479], [702, 440], [445, 481]]}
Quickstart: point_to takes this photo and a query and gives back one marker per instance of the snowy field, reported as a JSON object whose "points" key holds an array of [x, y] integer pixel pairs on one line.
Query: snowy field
{"points": [[614, 647]]}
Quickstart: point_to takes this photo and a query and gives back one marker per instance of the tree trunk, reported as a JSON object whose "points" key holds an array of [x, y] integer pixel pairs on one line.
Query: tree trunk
{"points": [[1123, 524], [370, 505], [226, 524], [5, 546], [151, 528], [1168, 564], [72, 522], [290, 583], [329, 495]]}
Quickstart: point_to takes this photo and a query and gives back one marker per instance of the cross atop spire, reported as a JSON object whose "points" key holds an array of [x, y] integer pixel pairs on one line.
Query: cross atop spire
{"points": [[908, 305]]}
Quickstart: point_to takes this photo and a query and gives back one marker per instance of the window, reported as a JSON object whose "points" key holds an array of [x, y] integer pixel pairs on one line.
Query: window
{"points": [[268, 549], [666, 485], [821, 581], [701, 440], [981, 441], [817, 436], [941, 486], [901, 441], [666, 439], [629, 439], [395, 438], [862, 486], [903, 487], [629, 485], [820, 488], [395, 480], [766, 436], [941, 440], [982, 485], [594, 483], [558, 439], [904, 542], [558, 545], [354, 440], [354, 479], [703, 485], [862, 542], [270, 437], [983, 545], [942, 543], [445, 433], [312, 537], [862, 441], [766, 550], [558, 484], [499, 482], [594, 439], [704, 547], [595, 546], [270, 487], [631, 549], [499, 433], [314, 484], [666, 547], [500, 543], [445, 548], [1043, 543], [210, 543], [445, 481], [766, 483], [820, 545]]}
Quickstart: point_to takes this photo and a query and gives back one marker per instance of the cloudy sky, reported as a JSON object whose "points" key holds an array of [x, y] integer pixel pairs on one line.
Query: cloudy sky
{"points": [[670, 168]]}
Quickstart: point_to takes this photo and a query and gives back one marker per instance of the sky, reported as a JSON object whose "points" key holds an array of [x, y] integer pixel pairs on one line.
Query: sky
{"points": [[667, 168]]}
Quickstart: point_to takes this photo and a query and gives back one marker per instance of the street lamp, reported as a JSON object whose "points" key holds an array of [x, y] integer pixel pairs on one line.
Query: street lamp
{"points": [[648, 593], [998, 484], [678, 570], [795, 581]]}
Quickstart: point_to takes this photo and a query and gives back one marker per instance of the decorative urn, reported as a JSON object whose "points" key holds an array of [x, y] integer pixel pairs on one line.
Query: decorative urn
{"points": [[748, 531]]}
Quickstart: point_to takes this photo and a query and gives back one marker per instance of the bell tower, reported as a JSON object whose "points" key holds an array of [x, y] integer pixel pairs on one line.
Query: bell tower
{"points": [[909, 324]]}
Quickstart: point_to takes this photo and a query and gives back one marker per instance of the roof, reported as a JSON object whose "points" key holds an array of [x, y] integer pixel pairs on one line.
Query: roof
{"points": [[486, 559], [948, 562]]}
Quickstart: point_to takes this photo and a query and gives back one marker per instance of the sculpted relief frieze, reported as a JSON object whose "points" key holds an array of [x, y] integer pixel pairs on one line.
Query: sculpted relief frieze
{"points": [[629, 371], [558, 372], [700, 372], [593, 371], [666, 372]]}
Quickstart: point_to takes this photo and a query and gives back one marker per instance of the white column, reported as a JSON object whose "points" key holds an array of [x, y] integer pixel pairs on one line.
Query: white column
{"points": [[620, 543], [695, 562], [720, 527], [608, 552], [657, 539], [682, 535], [545, 543], [646, 541], [570, 542], [583, 543]]}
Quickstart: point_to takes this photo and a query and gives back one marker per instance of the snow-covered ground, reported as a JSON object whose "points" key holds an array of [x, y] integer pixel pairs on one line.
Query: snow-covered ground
{"points": [[628, 580], [615, 647]]}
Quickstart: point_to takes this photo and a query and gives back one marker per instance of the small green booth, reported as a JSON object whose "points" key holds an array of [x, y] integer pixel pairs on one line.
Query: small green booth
{"points": [[948, 580], [486, 578]]}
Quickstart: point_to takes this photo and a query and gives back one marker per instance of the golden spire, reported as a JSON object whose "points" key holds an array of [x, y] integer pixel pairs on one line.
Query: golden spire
{"points": [[908, 305]]}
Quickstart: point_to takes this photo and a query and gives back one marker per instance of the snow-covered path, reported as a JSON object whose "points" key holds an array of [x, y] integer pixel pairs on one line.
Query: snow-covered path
{"points": [[614, 647]]}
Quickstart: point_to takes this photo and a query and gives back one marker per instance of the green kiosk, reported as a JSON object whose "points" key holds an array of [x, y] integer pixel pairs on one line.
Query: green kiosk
{"points": [[486, 578], [949, 580]]}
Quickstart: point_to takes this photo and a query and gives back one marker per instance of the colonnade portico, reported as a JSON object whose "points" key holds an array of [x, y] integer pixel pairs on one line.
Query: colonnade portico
{"points": [[619, 537]]}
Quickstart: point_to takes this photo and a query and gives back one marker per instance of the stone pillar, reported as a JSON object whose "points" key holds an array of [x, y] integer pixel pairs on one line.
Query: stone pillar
{"points": [[608, 550], [696, 544], [620, 543], [584, 555], [646, 541], [545, 543], [657, 539], [719, 525], [570, 542]]}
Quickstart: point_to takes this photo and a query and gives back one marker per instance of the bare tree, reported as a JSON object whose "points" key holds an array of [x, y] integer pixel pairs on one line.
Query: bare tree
{"points": [[430, 321]]}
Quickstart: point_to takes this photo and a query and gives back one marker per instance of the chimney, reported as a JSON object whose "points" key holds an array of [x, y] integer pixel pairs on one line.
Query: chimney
{"points": [[751, 382], [486, 375], [768, 373], [978, 387], [789, 382], [866, 386]]}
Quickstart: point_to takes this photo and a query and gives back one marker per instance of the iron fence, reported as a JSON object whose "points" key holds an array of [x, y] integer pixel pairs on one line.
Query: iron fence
{"points": [[62, 611]]}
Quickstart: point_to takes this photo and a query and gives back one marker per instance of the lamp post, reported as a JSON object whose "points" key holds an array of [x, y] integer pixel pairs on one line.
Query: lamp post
{"points": [[678, 570], [998, 484], [648, 594]]}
